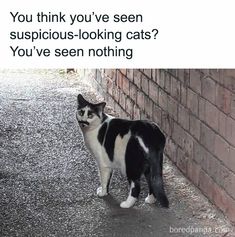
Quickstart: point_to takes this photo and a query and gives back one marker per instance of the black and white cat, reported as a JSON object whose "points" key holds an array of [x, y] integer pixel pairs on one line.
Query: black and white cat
{"points": [[134, 147]]}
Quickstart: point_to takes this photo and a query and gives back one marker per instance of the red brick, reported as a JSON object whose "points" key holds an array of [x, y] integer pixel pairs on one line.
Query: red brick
{"points": [[104, 83], [188, 144], [183, 95], [110, 86], [206, 184], [231, 160], [195, 126], [161, 78], [118, 109], [216, 74], [231, 208], [192, 102], [119, 79], [193, 171], [181, 74], [230, 131], [122, 100], [186, 77], [130, 74], [148, 73], [208, 89], [171, 149], [167, 123], [167, 85], [133, 92], [233, 106], [148, 106], [229, 79], [162, 99], [110, 101], [145, 84], [183, 117], [202, 109], [157, 114], [153, 91], [229, 184], [129, 107], [222, 124], [115, 93], [123, 71], [198, 152], [178, 134], [136, 114], [211, 165], [207, 138], [221, 148], [157, 75], [212, 116], [154, 71], [109, 73], [223, 99], [195, 81], [143, 115], [175, 88], [140, 99], [173, 108], [182, 160], [137, 78], [125, 86], [220, 198]]}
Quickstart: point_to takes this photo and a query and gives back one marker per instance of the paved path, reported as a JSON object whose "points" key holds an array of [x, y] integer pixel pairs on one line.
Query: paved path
{"points": [[48, 179]]}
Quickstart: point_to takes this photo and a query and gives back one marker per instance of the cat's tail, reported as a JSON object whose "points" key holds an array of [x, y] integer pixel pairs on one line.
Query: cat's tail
{"points": [[156, 178]]}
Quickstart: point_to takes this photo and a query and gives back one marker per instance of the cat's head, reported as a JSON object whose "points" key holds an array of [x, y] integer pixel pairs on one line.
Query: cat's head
{"points": [[89, 115]]}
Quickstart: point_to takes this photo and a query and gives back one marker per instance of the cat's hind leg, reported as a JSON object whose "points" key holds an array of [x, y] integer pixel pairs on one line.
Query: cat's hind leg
{"points": [[133, 195], [105, 177], [150, 199]]}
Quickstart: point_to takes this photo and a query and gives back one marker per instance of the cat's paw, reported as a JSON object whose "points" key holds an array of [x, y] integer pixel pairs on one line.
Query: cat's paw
{"points": [[128, 203], [100, 192], [150, 199]]}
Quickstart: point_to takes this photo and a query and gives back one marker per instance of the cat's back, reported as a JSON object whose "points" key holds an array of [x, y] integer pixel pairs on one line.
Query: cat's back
{"points": [[117, 132]]}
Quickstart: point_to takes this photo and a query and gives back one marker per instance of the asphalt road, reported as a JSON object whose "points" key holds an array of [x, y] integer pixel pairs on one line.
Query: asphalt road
{"points": [[48, 179]]}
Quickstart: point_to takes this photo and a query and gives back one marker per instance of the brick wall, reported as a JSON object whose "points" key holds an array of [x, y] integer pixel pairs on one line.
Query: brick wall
{"points": [[195, 109]]}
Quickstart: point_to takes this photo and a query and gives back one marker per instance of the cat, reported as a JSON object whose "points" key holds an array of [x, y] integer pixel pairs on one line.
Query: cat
{"points": [[135, 147]]}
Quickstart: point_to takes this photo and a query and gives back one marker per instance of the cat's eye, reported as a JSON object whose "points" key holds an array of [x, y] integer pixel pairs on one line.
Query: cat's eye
{"points": [[81, 112], [90, 116]]}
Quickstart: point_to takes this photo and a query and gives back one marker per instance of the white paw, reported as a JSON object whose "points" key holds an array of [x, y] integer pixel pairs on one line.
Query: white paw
{"points": [[100, 192], [150, 199], [128, 203]]}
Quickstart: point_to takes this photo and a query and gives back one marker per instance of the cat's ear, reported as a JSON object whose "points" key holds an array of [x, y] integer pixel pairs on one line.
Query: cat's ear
{"points": [[81, 101], [100, 106]]}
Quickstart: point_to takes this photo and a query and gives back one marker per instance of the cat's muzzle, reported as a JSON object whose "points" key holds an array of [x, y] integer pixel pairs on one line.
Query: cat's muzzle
{"points": [[83, 123]]}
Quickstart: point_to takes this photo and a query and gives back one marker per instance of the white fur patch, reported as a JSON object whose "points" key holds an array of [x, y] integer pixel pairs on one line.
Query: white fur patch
{"points": [[142, 144], [120, 151], [100, 192], [129, 202], [150, 199]]}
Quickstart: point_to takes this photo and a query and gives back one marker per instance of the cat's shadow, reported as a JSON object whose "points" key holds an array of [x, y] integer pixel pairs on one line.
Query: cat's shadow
{"points": [[111, 202], [115, 210]]}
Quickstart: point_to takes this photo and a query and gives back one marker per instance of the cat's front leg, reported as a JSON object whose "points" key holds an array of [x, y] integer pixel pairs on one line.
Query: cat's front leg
{"points": [[105, 177]]}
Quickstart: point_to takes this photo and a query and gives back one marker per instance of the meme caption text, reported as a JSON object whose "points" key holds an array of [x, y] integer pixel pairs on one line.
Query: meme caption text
{"points": [[95, 28]]}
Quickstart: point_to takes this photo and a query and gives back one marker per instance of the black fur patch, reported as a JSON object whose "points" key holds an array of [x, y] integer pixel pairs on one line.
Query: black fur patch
{"points": [[116, 127], [135, 159], [101, 133]]}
